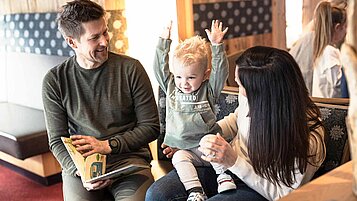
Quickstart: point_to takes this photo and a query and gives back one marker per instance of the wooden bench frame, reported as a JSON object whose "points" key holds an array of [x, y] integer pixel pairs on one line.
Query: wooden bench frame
{"points": [[42, 168]]}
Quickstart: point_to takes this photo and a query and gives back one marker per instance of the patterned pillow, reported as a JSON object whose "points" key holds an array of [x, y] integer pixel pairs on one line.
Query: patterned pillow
{"points": [[337, 152]]}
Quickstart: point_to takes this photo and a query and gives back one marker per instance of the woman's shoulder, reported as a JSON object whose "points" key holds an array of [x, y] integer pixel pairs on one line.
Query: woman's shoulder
{"points": [[329, 58], [331, 54], [329, 49]]}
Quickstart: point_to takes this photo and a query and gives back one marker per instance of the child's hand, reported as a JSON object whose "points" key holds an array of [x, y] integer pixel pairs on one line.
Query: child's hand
{"points": [[166, 34], [216, 34], [168, 151]]}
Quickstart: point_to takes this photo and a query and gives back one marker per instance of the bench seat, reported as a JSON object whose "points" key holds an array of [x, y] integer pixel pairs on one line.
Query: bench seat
{"points": [[24, 144], [22, 131]]}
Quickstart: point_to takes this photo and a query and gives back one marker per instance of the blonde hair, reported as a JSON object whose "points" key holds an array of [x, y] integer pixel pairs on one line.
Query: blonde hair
{"points": [[326, 17], [194, 50], [341, 4]]}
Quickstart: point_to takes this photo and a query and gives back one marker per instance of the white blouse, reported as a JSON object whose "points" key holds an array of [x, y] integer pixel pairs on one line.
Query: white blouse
{"points": [[327, 74]]}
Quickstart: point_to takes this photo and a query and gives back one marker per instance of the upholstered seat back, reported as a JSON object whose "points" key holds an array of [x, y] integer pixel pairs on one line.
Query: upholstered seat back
{"points": [[337, 148]]}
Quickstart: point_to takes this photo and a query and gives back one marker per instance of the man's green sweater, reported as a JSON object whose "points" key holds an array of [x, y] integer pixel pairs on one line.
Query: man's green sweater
{"points": [[113, 100]]}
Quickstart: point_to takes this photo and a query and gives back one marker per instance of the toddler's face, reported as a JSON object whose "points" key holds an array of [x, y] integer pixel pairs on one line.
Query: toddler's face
{"points": [[189, 78]]}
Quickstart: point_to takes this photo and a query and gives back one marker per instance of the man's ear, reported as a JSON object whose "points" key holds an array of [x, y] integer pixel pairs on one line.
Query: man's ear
{"points": [[71, 42]]}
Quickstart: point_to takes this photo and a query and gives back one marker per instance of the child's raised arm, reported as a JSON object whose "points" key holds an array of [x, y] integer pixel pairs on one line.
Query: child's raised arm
{"points": [[166, 33], [216, 34]]}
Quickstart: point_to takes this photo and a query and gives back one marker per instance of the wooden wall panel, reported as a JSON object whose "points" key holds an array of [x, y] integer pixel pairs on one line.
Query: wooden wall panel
{"points": [[5, 7], [38, 6], [36, 20], [308, 7], [269, 30], [184, 19], [113, 4], [241, 43], [279, 24], [41, 6], [213, 1], [277, 37]]}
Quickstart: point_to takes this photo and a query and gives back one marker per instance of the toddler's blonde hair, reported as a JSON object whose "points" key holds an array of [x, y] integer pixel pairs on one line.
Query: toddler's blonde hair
{"points": [[194, 50]]}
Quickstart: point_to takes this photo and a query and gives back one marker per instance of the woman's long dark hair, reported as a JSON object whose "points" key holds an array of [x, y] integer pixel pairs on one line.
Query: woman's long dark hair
{"points": [[280, 109]]}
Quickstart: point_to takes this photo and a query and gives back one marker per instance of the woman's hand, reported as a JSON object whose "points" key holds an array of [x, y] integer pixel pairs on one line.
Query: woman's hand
{"points": [[216, 34], [168, 151], [216, 149], [88, 145]]}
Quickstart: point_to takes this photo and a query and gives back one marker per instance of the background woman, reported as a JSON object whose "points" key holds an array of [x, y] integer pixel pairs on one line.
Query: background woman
{"points": [[330, 31]]}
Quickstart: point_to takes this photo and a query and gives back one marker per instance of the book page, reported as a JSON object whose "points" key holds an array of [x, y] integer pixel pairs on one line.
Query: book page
{"points": [[120, 172]]}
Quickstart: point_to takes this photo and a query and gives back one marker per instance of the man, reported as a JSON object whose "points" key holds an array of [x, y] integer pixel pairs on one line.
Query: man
{"points": [[104, 101]]}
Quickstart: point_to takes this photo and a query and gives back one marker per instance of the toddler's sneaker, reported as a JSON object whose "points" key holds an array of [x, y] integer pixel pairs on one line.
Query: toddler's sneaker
{"points": [[225, 183], [197, 196]]}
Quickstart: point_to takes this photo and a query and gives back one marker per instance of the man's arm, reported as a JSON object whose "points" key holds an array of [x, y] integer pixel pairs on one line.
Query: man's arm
{"points": [[56, 122], [147, 126]]}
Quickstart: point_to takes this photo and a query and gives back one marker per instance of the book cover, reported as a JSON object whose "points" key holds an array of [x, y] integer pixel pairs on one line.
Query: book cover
{"points": [[92, 168], [89, 167]]}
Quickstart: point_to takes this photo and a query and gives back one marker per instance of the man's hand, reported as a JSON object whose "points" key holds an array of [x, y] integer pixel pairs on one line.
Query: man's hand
{"points": [[88, 145], [97, 185], [168, 151]]}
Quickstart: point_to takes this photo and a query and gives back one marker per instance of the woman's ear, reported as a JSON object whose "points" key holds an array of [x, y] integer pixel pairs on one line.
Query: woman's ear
{"points": [[339, 27]]}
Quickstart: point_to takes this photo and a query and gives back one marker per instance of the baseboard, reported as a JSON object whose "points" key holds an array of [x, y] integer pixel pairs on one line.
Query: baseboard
{"points": [[49, 180]]}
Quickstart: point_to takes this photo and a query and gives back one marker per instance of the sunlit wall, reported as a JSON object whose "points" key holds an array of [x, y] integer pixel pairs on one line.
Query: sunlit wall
{"points": [[293, 21], [3, 85], [146, 20]]}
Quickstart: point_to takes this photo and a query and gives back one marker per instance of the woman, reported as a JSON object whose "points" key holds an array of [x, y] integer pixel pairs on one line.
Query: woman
{"points": [[275, 148], [302, 49], [330, 31]]}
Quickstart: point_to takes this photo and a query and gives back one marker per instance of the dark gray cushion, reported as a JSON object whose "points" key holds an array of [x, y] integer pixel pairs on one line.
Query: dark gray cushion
{"points": [[22, 131]]}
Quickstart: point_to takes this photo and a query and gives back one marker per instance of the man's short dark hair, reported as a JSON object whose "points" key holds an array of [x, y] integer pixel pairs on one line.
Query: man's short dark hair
{"points": [[76, 12]]}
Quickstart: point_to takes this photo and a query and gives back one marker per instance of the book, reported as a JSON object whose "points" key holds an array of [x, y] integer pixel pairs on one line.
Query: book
{"points": [[92, 168]]}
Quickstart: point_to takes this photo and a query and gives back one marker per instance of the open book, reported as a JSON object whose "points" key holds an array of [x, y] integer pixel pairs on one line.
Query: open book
{"points": [[92, 168]]}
